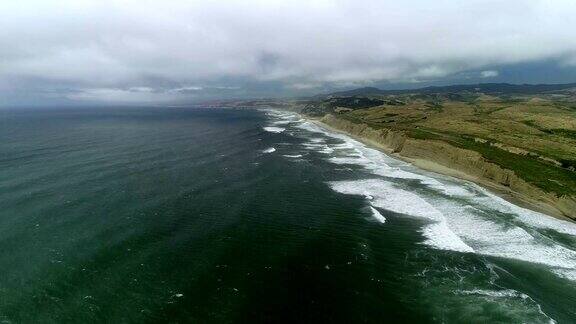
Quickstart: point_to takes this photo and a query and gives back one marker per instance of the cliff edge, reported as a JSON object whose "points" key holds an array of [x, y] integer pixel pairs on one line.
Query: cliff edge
{"points": [[443, 157]]}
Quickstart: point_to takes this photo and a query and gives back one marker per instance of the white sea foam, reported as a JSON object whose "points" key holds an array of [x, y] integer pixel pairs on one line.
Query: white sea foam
{"points": [[273, 129], [471, 223], [525, 215], [376, 214], [494, 293], [348, 159], [269, 150], [499, 238], [569, 274], [311, 127], [281, 122], [506, 294], [387, 196], [462, 228], [322, 148], [293, 156], [282, 116], [379, 163], [344, 145]]}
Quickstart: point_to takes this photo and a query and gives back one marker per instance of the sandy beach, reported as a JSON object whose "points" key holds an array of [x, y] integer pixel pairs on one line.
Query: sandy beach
{"points": [[504, 192]]}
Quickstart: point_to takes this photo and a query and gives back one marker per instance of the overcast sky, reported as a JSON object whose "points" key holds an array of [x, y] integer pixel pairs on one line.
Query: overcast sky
{"points": [[174, 51]]}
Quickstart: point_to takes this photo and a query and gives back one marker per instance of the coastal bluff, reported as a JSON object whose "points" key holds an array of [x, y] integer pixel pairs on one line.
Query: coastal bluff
{"points": [[442, 157]]}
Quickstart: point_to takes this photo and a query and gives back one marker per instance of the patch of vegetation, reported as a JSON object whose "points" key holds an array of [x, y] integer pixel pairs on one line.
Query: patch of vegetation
{"points": [[498, 109], [533, 124], [317, 109], [477, 109], [394, 102], [423, 134], [510, 99], [545, 176], [435, 105], [352, 118], [355, 102], [568, 133], [470, 97], [460, 118], [530, 123], [564, 132], [568, 164], [421, 97]]}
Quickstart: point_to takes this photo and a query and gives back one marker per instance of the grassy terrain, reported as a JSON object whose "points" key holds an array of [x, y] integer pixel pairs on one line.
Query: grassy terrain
{"points": [[531, 134]]}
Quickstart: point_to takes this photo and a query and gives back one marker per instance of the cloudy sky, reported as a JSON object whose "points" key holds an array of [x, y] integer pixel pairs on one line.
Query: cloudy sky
{"points": [[132, 52]]}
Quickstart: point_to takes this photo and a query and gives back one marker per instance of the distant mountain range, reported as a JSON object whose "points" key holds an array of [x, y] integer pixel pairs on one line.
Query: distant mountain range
{"points": [[487, 88]]}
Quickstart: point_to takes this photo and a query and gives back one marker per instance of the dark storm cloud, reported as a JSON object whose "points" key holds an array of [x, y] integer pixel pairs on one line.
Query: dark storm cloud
{"points": [[163, 51]]}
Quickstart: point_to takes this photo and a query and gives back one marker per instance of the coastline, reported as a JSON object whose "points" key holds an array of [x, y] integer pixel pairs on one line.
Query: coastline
{"points": [[504, 192]]}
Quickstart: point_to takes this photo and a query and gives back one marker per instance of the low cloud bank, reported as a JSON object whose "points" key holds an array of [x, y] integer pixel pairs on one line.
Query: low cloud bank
{"points": [[176, 50]]}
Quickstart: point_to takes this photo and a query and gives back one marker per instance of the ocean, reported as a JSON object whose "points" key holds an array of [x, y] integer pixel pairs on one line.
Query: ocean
{"points": [[136, 215]]}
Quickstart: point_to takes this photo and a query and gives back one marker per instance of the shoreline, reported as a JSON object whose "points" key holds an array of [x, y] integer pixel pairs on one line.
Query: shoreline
{"points": [[501, 191]]}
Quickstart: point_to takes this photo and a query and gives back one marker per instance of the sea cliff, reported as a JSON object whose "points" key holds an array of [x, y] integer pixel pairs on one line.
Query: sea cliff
{"points": [[442, 157]]}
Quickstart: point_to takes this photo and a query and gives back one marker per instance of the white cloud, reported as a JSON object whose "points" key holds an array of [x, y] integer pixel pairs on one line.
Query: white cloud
{"points": [[227, 87], [109, 44], [141, 89], [489, 74], [132, 95], [186, 89], [305, 86]]}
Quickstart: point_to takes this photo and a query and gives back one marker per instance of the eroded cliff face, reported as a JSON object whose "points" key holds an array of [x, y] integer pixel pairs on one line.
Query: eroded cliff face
{"points": [[465, 161]]}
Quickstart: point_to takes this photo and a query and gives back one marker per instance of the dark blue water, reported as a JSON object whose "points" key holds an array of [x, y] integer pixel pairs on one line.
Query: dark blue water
{"points": [[132, 215]]}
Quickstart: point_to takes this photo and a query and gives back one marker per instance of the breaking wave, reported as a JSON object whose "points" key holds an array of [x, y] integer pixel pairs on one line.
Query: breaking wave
{"points": [[461, 216], [272, 129]]}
